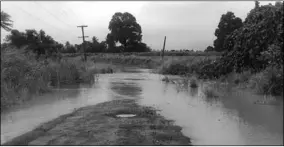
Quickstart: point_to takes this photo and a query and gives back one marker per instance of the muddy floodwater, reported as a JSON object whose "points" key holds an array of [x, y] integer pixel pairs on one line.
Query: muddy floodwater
{"points": [[233, 119]]}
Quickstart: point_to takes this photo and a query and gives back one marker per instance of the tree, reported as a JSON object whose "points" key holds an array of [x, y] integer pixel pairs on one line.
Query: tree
{"points": [[69, 48], [256, 4], [95, 40], [103, 46], [260, 37], [38, 42], [124, 29], [67, 44], [95, 46], [16, 38], [6, 22], [137, 47], [110, 43], [228, 23], [209, 49], [278, 3]]}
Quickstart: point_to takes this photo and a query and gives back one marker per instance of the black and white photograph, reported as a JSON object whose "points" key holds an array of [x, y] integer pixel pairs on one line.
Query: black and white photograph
{"points": [[142, 73]]}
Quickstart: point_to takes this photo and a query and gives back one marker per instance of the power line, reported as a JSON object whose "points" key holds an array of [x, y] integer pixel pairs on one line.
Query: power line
{"points": [[41, 19], [55, 17], [36, 17], [82, 21], [52, 14]]}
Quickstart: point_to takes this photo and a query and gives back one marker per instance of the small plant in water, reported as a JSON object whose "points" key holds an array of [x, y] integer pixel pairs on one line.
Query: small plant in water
{"points": [[193, 82], [210, 92], [166, 79]]}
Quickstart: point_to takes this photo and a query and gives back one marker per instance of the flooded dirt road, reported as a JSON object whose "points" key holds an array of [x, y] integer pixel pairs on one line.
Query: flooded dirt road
{"points": [[233, 119]]}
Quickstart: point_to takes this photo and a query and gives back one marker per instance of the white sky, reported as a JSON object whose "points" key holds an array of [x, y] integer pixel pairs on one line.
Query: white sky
{"points": [[187, 24]]}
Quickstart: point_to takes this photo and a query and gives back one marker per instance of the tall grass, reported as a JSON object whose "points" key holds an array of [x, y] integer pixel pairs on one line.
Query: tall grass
{"points": [[269, 81], [151, 54], [22, 75], [193, 82], [128, 60], [184, 66]]}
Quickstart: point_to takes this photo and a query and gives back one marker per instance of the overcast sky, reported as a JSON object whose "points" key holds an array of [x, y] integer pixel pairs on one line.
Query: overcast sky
{"points": [[187, 24]]}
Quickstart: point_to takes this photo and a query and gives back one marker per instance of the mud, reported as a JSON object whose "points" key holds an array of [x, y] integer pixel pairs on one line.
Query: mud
{"points": [[99, 125]]}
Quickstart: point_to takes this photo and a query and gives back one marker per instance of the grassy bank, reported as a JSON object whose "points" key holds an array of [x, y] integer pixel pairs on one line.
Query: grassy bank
{"points": [[268, 81], [145, 61], [22, 75], [149, 54], [145, 128]]}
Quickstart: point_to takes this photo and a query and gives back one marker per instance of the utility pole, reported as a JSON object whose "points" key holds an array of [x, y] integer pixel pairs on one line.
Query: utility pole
{"points": [[164, 48], [84, 46]]}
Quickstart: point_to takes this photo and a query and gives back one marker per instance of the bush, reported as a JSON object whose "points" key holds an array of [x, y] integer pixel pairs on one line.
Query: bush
{"points": [[242, 77], [269, 81], [19, 74], [193, 82], [210, 92], [22, 74], [262, 29]]}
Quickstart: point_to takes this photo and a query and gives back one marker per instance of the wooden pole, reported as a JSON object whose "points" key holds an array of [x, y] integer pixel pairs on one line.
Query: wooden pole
{"points": [[164, 48], [83, 36]]}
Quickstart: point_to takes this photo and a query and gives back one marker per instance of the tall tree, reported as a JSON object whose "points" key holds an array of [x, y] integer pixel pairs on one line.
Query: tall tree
{"points": [[110, 42], [209, 49], [260, 37], [95, 40], [228, 23], [125, 29], [67, 44], [6, 22], [256, 4], [16, 38]]}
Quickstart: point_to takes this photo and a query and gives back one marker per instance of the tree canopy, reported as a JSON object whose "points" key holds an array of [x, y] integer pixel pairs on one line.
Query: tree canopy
{"points": [[38, 42], [6, 22], [261, 35], [124, 29], [228, 23]]}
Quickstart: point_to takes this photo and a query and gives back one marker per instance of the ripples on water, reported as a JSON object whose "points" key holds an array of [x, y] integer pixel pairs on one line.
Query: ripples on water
{"points": [[229, 120]]}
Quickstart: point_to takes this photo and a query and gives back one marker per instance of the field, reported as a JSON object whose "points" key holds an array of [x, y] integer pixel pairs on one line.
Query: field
{"points": [[153, 53]]}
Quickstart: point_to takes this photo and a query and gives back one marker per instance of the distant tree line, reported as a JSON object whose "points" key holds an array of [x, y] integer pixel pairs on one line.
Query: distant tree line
{"points": [[125, 36]]}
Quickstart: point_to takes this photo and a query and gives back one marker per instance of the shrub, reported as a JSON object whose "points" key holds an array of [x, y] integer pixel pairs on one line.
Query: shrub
{"points": [[166, 79], [210, 92], [269, 81], [242, 77], [193, 82], [21, 73]]}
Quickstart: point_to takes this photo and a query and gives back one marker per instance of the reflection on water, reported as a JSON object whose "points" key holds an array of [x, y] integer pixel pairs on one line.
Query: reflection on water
{"points": [[126, 88], [232, 119]]}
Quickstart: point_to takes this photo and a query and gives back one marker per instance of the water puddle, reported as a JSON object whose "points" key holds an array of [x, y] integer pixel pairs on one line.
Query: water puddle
{"points": [[125, 115], [232, 119]]}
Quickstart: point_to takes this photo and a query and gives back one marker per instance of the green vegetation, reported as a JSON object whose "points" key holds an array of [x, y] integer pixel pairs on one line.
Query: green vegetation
{"points": [[6, 22], [228, 23], [147, 62], [254, 51], [152, 53], [193, 82], [31, 63], [125, 30], [210, 92], [22, 75]]}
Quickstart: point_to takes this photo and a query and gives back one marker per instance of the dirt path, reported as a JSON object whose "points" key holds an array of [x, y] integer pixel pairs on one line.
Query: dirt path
{"points": [[99, 125]]}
